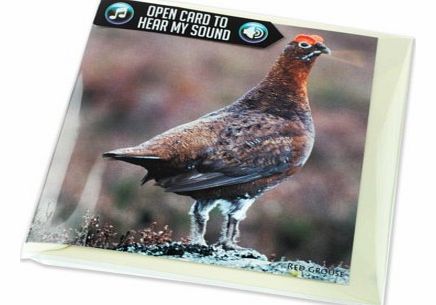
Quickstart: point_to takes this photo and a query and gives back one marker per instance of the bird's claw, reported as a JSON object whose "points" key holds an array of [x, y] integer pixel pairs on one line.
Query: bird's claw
{"points": [[199, 242], [228, 245]]}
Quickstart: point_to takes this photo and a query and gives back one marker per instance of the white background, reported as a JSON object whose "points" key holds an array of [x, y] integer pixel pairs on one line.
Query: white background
{"points": [[41, 45]]}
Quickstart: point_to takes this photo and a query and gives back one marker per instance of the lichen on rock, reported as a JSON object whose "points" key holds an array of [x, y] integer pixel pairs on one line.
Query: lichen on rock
{"points": [[248, 259]]}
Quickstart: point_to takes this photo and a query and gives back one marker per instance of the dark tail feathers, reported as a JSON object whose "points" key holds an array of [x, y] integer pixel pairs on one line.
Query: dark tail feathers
{"points": [[131, 155]]}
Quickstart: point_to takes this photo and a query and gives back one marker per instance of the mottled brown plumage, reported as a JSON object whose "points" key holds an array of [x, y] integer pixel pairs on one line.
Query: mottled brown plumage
{"points": [[231, 156]]}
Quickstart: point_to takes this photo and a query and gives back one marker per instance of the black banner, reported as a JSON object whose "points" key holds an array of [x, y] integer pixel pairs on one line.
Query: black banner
{"points": [[184, 22]]}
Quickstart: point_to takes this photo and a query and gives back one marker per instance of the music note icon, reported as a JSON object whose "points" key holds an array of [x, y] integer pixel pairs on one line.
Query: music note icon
{"points": [[120, 12]]}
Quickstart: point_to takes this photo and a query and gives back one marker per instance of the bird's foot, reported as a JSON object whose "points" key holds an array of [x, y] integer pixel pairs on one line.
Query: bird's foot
{"points": [[198, 242], [229, 245]]}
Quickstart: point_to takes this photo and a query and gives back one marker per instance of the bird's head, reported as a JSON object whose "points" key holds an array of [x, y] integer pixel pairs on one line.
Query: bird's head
{"points": [[306, 48]]}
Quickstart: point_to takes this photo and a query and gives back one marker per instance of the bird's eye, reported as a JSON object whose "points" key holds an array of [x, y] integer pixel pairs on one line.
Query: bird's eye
{"points": [[304, 45]]}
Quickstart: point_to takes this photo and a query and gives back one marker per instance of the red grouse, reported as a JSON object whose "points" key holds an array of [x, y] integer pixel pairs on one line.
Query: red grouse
{"points": [[233, 155]]}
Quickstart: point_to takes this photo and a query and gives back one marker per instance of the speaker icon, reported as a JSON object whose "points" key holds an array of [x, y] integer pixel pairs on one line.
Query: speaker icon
{"points": [[253, 32]]}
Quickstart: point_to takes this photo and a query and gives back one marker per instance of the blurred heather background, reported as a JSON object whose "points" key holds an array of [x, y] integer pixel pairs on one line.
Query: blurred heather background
{"points": [[137, 85]]}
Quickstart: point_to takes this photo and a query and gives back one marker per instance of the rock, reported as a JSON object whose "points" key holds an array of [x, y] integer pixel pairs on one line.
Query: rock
{"points": [[249, 259]]}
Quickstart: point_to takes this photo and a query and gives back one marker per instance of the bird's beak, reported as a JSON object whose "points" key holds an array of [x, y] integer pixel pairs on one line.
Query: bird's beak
{"points": [[323, 48]]}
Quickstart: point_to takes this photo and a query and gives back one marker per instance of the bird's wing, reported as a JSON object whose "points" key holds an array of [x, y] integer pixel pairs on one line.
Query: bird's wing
{"points": [[233, 164], [218, 150]]}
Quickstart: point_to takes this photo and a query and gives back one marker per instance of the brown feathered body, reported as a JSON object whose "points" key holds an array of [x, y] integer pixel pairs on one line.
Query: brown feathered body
{"points": [[241, 150]]}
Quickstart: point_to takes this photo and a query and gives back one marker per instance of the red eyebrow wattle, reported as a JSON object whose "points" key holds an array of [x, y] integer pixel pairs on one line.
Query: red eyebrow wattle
{"points": [[311, 39]]}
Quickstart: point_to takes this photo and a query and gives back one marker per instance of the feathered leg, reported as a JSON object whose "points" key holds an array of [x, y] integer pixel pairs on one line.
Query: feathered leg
{"points": [[199, 216], [233, 212]]}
